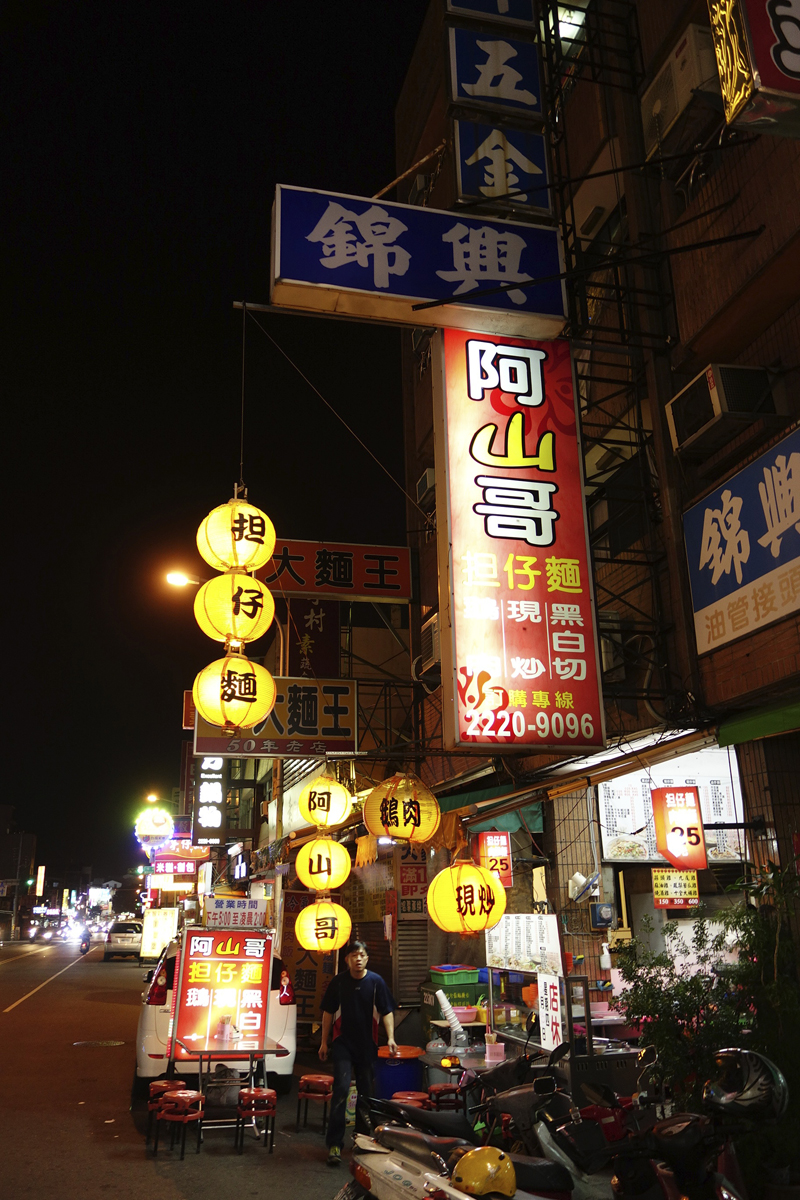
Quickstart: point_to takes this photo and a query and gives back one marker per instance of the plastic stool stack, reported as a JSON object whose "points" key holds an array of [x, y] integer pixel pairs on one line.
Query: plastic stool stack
{"points": [[256, 1102], [180, 1108], [318, 1088], [445, 1097]]}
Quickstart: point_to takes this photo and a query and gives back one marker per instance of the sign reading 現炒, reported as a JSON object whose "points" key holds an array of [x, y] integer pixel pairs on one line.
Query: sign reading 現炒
{"points": [[500, 163], [339, 570], [743, 548], [516, 624], [376, 259], [674, 889]]}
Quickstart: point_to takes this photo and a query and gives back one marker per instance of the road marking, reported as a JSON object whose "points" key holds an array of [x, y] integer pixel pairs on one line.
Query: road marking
{"points": [[19, 956], [41, 985]]}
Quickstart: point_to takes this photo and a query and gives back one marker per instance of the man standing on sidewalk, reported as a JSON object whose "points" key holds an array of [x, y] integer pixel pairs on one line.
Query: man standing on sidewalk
{"points": [[350, 1009]]}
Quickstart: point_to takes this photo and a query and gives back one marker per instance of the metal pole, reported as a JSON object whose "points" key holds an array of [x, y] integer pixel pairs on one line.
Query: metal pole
{"points": [[15, 909]]}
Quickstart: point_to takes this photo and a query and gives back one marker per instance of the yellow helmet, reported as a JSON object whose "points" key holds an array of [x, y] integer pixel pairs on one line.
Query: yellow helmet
{"points": [[484, 1170]]}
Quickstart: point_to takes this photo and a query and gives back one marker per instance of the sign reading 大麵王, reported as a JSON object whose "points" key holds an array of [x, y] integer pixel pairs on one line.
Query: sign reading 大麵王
{"points": [[743, 548], [517, 635], [355, 256], [344, 571], [311, 718]]}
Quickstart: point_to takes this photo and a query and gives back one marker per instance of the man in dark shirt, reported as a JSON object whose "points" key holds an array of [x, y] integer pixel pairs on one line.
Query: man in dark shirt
{"points": [[350, 1009]]}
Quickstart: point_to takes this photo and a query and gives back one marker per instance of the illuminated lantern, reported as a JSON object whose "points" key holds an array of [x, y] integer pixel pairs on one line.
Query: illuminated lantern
{"points": [[234, 606], [466, 898], [234, 692], [322, 864], [402, 808], [236, 534], [324, 802], [154, 828], [323, 927]]}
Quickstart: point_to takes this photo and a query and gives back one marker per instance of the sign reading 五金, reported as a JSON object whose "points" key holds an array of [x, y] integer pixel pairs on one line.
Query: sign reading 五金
{"points": [[674, 889], [517, 634], [679, 827], [311, 718], [223, 991], [341, 570], [494, 853]]}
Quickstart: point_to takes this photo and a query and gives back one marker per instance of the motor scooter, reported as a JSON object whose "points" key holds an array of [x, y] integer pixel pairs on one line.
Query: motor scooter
{"points": [[85, 943]]}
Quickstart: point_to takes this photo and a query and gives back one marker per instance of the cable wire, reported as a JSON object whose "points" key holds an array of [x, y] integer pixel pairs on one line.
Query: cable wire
{"points": [[241, 432]]}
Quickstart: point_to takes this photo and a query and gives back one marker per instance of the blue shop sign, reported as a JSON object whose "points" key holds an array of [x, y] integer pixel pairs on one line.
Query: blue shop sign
{"points": [[743, 548], [376, 259], [494, 71], [509, 12], [497, 162]]}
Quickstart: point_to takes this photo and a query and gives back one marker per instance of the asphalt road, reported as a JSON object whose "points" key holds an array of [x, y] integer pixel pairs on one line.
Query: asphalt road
{"points": [[68, 1122]]}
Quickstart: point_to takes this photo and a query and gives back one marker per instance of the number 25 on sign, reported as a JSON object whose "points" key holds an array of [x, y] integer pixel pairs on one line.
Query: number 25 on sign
{"points": [[679, 827]]}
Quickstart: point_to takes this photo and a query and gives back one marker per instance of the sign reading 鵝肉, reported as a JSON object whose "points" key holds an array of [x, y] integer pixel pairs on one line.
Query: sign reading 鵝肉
{"points": [[519, 657]]}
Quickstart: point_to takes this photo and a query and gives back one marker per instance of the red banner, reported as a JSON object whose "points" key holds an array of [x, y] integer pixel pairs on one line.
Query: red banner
{"points": [[342, 570], [494, 853], [679, 827], [519, 648], [775, 38]]}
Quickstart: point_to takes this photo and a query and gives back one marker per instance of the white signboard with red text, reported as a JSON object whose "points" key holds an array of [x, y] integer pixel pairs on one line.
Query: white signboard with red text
{"points": [[517, 626], [549, 1011]]}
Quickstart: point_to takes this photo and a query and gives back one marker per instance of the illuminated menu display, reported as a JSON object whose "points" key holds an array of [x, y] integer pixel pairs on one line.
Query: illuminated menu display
{"points": [[516, 626], [223, 993]]}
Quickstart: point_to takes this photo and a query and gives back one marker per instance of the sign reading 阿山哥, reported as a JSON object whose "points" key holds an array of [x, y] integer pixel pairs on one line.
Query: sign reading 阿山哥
{"points": [[509, 12], [376, 259], [338, 570], [743, 548], [493, 852], [494, 71], [311, 718], [679, 827], [674, 889], [516, 623], [503, 164]]}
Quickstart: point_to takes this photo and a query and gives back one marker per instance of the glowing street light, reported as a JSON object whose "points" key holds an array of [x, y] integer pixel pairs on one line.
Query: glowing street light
{"points": [[181, 579], [152, 798]]}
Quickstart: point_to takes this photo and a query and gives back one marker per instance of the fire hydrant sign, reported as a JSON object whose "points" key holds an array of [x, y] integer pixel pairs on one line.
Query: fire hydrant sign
{"points": [[549, 1011], [679, 827], [674, 889], [517, 627], [222, 993]]}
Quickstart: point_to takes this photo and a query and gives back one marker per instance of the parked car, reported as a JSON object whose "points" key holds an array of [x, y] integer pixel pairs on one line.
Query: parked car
{"points": [[123, 938], [152, 1034]]}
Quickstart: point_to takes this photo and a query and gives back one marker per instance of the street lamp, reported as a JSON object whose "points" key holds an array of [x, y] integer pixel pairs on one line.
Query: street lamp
{"points": [[152, 798], [181, 579]]}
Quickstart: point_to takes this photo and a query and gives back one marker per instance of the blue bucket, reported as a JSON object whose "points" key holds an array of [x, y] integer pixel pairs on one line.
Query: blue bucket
{"points": [[397, 1075]]}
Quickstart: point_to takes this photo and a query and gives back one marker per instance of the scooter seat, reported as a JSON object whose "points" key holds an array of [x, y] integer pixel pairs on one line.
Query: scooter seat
{"points": [[421, 1146], [440, 1124], [541, 1175]]}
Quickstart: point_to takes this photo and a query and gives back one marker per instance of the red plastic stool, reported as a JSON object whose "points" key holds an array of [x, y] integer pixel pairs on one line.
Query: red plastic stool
{"points": [[314, 1087], [180, 1108], [158, 1089], [256, 1102], [412, 1098], [445, 1097]]}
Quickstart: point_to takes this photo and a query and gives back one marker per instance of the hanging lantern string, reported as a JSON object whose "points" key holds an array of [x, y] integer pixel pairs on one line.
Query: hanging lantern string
{"points": [[241, 428]]}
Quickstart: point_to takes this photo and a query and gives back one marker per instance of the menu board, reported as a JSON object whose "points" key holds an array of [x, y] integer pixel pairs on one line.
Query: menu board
{"points": [[525, 942], [625, 805], [223, 991], [674, 889]]}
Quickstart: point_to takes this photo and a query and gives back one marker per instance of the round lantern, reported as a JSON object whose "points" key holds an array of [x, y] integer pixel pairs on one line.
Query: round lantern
{"points": [[323, 926], [234, 692], [466, 898], [234, 605], [322, 864], [154, 827], [324, 802], [402, 808], [236, 534]]}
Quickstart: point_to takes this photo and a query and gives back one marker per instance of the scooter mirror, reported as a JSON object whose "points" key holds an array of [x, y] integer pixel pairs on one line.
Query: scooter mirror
{"points": [[600, 1094], [647, 1056], [558, 1054], [545, 1085], [531, 1021]]}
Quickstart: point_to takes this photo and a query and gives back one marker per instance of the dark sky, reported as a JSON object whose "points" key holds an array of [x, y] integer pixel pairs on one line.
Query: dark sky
{"points": [[143, 143]]}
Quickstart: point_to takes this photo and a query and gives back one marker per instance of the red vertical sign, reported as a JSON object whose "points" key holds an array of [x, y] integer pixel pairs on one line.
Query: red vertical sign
{"points": [[494, 853], [519, 646], [679, 827]]}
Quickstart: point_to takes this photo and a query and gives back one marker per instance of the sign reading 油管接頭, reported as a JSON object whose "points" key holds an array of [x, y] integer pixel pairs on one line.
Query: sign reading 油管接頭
{"points": [[525, 942], [508, 12], [516, 619], [549, 1010], [757, 46], [232, 912], [494, 71], [493, 851], [679, 827], [674, 889], [375, 259], [311, 718], [222, 993], [338, 570], [502, 163], [743, 548]]}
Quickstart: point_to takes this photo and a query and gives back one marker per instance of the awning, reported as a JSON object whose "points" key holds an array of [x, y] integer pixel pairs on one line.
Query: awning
{"points": [[482, 798], [762, 723]]}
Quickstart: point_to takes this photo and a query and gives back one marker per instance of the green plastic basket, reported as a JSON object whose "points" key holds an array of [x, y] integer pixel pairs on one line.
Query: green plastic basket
{"points": [[454, 974]]}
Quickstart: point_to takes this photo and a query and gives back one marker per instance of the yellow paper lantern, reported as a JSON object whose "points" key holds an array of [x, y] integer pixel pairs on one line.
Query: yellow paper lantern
{"points": [[323, 926], [403, 808], [466, 898], [236, 534], [324, 802], [234, 692], [322, 864], [234, 605]]}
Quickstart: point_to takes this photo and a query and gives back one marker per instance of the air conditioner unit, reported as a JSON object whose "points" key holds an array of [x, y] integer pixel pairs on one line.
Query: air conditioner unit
{"points": [[690, 67], [426, 486], [430, 655], [717, 405]]}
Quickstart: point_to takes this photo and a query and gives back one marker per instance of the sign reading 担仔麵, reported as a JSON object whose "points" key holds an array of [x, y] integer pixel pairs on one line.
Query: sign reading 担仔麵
{"points": [[516, 625], [679, 827], [339, 570], [674, 889], [493, 851], [222, 991]]}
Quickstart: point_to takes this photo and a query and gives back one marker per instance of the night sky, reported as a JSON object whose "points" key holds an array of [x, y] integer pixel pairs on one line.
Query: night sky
{"points": [[143, 143]]}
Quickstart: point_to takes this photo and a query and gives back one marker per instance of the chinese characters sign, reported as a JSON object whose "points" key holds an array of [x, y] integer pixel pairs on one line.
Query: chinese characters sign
{"points": [[549, 1011], [211, 790], [501, 163], [233, 912], [679, 827], [223, 993], [494, 71], [757, 46], [339, 570], [743, 548], [309, 970], [311, 718], [674, 889], [159, 926], [520, 653], [412, 881], [314, 639], [494, 853], [525, 942], [510, 12], [347, 254]]}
